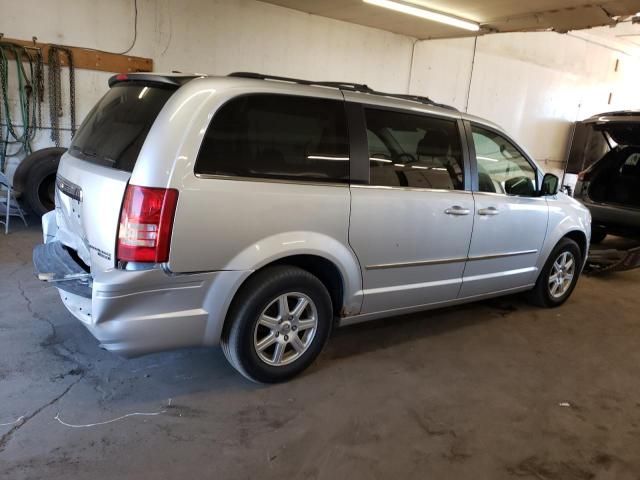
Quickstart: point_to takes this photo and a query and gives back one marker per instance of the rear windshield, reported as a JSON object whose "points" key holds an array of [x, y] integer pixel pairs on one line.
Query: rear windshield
{"points": [[114, 131]]}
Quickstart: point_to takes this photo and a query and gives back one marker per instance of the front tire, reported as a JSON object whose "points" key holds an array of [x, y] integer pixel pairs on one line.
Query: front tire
{"points": [[559, 275], [278, 324]]}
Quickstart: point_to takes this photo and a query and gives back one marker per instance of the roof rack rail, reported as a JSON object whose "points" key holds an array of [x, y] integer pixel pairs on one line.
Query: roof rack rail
{"points": [[415, 98], [356, 87], [349, 86]]}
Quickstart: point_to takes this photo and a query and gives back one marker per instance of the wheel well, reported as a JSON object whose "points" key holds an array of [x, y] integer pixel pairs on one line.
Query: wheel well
{"points": [[324, 270], [320, 267], [581, 239]]}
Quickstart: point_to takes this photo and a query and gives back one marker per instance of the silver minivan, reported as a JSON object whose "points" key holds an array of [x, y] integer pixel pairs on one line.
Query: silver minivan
{"points": [[258, 212]]}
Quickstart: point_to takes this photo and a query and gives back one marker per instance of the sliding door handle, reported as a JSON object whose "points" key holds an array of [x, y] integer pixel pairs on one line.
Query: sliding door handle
{"points": [[457, 210], [488, 211]]}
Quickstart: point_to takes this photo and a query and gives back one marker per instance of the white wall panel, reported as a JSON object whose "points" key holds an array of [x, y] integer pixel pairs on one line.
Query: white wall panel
{"points": [[441, 70], [211, 36], [224, 36], [533, 84]]}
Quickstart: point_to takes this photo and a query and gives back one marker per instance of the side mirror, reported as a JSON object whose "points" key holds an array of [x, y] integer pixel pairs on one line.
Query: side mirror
{"points": [[550, 184], [521, 186]]}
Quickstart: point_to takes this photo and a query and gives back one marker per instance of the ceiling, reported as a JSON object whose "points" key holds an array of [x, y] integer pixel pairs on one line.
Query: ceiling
{"points": [[625, 37], [492, 15]]}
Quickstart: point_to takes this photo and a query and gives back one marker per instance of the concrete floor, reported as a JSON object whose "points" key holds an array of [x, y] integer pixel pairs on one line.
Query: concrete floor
{"points": [[495, 390]]}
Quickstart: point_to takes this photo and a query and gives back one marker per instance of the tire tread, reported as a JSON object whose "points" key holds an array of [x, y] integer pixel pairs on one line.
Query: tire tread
{"points": [[539, 295], [231, 339]]}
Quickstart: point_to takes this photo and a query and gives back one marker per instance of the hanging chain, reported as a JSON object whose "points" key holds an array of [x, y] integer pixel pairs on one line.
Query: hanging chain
{"points": [[55, 90], [55, 101], [39, 81], [72, 93], [30, 93], [30, 82]]}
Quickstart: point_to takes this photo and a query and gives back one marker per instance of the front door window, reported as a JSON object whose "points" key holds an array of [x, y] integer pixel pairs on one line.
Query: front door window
{"points": [[501, 166]]}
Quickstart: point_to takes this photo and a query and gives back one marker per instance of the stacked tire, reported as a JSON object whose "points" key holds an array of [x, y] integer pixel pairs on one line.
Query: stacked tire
{"points": [[35, 179]]}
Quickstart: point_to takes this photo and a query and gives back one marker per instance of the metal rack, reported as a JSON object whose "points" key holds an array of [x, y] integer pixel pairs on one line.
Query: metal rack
{"points": [[88, 58]]}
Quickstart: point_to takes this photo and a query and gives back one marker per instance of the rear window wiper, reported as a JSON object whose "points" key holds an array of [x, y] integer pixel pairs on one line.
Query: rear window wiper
{"points": [[83, 151]]}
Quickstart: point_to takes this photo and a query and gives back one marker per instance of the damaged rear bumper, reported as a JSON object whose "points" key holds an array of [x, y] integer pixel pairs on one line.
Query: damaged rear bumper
{"points": [[133, 313], [54, 263]]}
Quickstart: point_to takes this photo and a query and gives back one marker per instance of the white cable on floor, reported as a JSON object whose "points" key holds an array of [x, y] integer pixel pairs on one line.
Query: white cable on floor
{"points": [[134, 414], [12, 423]]}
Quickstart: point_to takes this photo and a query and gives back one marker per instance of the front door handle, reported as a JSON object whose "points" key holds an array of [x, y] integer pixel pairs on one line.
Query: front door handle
{"points": [[457, 210], [488, 211]]}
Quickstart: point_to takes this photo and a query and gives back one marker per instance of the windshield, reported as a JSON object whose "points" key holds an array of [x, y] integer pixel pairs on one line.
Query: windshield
{"points": [[113, 133]]}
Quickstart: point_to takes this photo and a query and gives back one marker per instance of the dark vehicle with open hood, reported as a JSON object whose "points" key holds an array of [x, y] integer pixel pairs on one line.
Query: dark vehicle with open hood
{"points": [[606, 152]]}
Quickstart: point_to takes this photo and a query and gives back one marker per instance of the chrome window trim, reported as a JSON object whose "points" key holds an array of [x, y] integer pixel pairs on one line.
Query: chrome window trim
{"points": [[506, 195], [423, 263], [410, 189], [209, 176]]}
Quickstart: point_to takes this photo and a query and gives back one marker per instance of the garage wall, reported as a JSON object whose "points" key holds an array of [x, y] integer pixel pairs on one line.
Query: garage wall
{"points": [[533, 84], [212, 36]]}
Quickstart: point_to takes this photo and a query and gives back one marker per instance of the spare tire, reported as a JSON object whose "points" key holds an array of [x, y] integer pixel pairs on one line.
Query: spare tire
{"points": [[35, 178], [21, 174]]}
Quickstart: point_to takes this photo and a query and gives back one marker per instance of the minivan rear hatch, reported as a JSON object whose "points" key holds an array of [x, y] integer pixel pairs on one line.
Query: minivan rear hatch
{"points": [[94, 173], [625, 133], [595, 137]]}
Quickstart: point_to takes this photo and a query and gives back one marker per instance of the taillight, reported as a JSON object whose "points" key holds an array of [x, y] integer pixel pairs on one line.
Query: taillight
{"points": [[146, 222]]}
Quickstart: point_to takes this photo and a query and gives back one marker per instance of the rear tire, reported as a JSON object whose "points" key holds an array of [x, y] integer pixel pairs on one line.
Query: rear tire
{"points": [[278, 324], [554, 286]]}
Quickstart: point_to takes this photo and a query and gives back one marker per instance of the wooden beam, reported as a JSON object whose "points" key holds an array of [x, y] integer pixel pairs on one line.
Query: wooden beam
{"points": [[89, 59]]}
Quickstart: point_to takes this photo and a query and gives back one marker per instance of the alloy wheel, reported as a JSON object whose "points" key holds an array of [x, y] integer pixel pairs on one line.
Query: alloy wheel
{"points": [[561, 275], [285, 329]]}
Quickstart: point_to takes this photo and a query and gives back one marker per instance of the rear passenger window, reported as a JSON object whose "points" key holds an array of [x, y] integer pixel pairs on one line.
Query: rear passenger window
{"points": [[277, 136], [408, 150]]}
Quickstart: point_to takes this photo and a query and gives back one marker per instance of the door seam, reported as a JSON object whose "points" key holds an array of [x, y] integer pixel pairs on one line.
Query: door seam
{"points": [[473, 225]]}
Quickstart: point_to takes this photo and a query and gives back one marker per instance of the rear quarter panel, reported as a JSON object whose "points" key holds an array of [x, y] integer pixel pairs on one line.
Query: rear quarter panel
{"points": [[235, 224], [245, 225]]}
